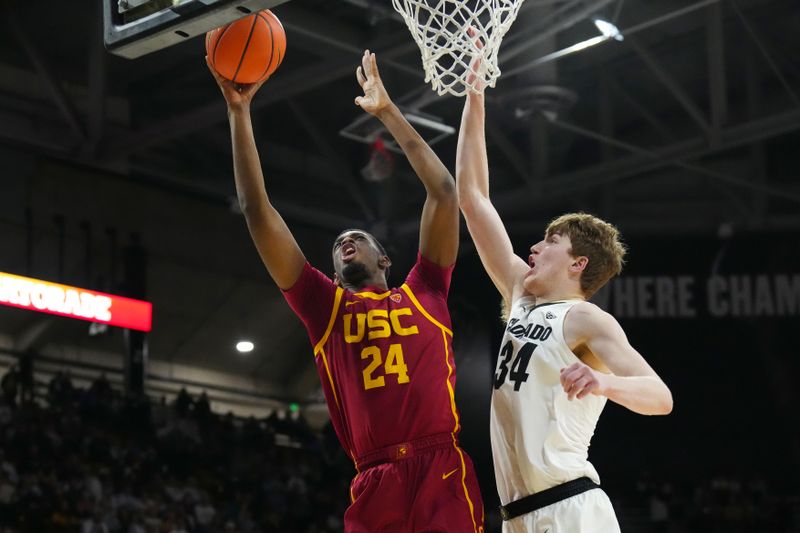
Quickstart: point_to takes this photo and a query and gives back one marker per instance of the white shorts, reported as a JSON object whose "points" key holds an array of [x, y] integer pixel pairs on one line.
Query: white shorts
{"points": [[588, 512]]}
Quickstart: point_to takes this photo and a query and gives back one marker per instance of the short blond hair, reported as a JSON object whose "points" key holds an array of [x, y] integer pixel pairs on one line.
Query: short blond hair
{"points": [[595, 239]]}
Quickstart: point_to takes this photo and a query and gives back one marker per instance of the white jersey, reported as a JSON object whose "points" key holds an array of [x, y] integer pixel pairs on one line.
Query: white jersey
{"points": [[539, 438]]}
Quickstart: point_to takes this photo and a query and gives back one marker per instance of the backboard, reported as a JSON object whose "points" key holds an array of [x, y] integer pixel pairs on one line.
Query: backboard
{"points": [[134, 28]]}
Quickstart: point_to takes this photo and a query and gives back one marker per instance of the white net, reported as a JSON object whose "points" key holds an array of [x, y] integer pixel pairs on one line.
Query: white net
{"points": [[440, 28]]}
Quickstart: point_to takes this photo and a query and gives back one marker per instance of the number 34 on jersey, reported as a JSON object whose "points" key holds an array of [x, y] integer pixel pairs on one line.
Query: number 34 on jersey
{"points": [[517, 373]]}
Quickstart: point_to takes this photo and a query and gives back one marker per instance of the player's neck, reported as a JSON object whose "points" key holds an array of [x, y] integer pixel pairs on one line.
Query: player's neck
{"points": [[558, 293], [372, 283]]}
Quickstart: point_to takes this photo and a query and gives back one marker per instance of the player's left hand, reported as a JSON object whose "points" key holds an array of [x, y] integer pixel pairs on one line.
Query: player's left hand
{"points": [[579, 380], [375, 98]]}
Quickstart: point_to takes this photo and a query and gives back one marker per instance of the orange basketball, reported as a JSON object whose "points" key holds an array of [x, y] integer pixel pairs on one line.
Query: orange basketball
{"points": [[247, 50]]}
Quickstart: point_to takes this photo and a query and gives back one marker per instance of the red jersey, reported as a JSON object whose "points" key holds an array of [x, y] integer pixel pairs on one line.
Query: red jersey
{"points": [[384, 357]]}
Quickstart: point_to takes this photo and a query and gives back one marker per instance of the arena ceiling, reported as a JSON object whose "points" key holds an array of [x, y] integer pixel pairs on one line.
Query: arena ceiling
{"points": [[688, 125]]}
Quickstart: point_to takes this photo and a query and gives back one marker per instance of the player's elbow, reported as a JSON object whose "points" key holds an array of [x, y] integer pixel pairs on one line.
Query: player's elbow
{"points": [[444, 189], [664, 405], [467, 201]]}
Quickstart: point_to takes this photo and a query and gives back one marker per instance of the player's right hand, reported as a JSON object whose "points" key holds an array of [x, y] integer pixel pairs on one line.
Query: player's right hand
{"points": [[237, 96], [476, 65]]}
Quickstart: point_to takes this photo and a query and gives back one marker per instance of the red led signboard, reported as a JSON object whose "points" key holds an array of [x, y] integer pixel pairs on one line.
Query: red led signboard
{"points": [[73, 302]]}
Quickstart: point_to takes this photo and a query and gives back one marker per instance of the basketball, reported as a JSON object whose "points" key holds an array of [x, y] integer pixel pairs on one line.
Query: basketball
{"points": [[247, 50]]}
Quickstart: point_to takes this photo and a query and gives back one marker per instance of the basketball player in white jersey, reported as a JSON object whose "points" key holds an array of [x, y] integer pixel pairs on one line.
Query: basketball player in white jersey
{"points": [[561, 357]]}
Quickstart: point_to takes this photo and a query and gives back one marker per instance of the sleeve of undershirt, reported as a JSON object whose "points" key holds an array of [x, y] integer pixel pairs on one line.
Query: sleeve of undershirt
{"points": [[311, 298]]}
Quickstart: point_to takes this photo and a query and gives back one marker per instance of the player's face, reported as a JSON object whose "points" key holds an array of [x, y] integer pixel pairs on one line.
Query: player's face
{"points": [[549, 260], [355, 257]]}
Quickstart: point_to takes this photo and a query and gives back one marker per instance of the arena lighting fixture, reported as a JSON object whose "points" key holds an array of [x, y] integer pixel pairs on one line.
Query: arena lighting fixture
{"points": [[245, 346], [609, 30]]}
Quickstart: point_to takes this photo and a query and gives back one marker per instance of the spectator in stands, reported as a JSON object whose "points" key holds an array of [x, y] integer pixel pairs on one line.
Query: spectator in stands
{"points": [[202, 408], [183, 403], [26, 378], [10, 385], [60, 389]]}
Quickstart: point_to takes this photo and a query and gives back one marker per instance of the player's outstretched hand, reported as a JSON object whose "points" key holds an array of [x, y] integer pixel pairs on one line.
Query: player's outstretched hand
{"points": [[476, 64], [375, 98], [579, 380], [236, 95]]}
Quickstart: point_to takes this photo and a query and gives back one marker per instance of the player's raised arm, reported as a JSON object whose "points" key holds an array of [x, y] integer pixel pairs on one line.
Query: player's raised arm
{"points": [[633, 384], [484, 224], [275, 243], [438, 234]]}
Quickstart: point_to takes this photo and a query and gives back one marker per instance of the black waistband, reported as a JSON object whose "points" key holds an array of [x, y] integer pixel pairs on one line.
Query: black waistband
{"points": [[528, 504]]}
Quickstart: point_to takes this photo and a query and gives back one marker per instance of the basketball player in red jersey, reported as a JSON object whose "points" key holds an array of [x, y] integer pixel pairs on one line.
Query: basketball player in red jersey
{"points": [[384, 356]]}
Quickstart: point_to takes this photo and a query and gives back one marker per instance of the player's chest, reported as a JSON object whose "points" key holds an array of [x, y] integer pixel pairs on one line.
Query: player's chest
{"points": [[530, 354], [362, 322]]}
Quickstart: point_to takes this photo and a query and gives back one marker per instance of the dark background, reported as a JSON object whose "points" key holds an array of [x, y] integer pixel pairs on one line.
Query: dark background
{"points": [[115, 175]]}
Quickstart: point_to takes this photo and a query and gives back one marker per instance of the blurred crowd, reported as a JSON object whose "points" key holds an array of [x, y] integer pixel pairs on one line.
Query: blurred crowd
{"points": [[744, 503], [93, 461]]}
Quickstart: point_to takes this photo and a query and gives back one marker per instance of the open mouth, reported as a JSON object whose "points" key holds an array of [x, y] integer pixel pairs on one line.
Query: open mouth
{"points": [[348, 252]]}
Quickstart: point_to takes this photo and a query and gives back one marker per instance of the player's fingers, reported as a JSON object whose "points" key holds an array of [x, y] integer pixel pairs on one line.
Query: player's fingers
{"points": [[365, 63], [581, 385], [256, 86], [584, 393], [569, 375], [373, 66], [473, 32], [592, 384], [362, 79], [359, 99], [572, 391], [567, 385]]}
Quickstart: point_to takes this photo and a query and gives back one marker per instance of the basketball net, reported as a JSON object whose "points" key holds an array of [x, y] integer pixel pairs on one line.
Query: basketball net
{"points": [[452, 60], [381, 162]]}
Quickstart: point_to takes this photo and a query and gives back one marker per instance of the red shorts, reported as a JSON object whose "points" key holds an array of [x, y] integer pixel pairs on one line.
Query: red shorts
{"points": [[430, 491]]}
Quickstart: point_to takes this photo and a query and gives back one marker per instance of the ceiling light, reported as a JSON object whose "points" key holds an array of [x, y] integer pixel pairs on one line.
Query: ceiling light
{"points": [[609, 30], [245, 346]]}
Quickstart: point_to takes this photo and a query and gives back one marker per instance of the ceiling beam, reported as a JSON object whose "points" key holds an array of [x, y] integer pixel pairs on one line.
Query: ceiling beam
{"points": [[45, 72], [678, 162], [282, 87], [731, 137], [97, 84], [670, 83], [717, 85], [325, 37], [332, 155], [501, 140], [630, 101]]}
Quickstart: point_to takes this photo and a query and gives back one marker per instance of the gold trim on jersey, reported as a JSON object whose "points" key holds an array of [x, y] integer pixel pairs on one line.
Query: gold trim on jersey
{"points": [[372, 295], [446, 331], [319, 350], [422, 310], [336, 300], [452, 394]]}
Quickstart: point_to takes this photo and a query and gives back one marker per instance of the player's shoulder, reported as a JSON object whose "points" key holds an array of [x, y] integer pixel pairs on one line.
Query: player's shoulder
{"points": [[587, 317]]}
